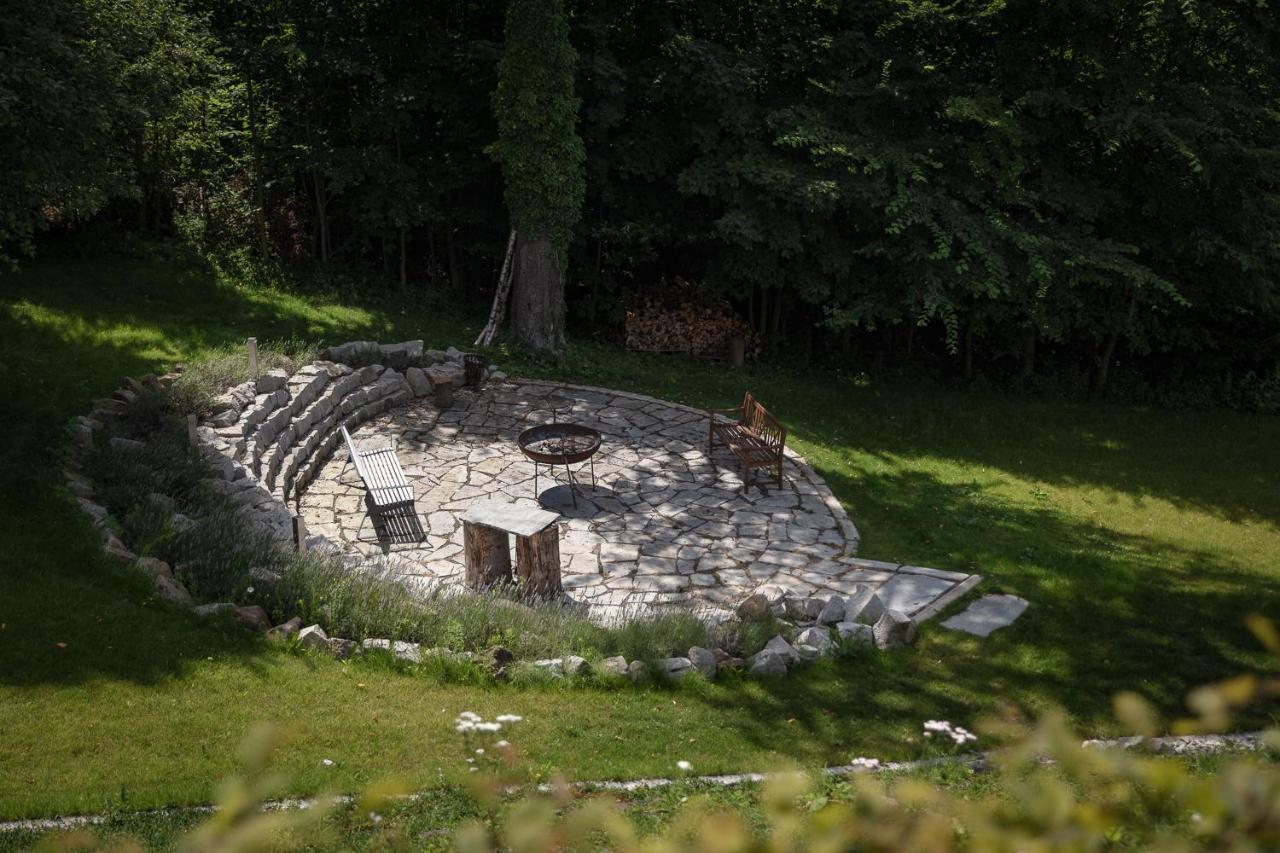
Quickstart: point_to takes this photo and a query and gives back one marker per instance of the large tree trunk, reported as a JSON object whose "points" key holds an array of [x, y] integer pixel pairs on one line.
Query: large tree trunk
{"points": [[537, 298]]}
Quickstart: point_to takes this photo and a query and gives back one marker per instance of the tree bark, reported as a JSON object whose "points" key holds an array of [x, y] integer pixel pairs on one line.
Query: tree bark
{"points": [[487, 555], [1104, 362], [538, 563], [537, 298], [1028, 355]]}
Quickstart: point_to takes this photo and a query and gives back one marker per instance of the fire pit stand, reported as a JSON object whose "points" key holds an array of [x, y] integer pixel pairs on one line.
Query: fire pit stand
{"points": [[560, 444]]}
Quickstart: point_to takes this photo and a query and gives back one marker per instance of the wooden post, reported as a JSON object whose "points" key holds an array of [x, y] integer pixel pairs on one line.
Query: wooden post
{"points": [[538, 562], [488, 555], [300, 533], [252, 343], [737, 352], [444, 395], [192, 437]]}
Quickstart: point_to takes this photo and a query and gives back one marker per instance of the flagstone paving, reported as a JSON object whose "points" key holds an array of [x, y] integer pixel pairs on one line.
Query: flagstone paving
{"points": [[665, 523]]}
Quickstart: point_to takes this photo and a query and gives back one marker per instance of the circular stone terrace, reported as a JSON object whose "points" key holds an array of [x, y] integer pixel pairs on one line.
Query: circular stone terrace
{"points": [[666, 523]]}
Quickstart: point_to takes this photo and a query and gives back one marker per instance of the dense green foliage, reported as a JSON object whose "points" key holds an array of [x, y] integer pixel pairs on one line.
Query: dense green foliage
{"points": [[1068, 195]]}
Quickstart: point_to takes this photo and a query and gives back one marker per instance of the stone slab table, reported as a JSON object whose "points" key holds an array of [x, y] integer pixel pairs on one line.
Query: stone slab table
{"points": [[486, 526]]}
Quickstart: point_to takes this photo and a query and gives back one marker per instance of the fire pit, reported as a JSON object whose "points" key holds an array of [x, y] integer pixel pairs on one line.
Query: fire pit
{"points": [[560, 444]]}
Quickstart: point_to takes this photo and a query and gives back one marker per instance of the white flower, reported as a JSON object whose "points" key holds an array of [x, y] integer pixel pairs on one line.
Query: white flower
{"points": [[488, 727], [684, 765], [464, 726], [249, 590], [502, 744], [471, 761], [327, 762], [470, 715], [509, 718], [473, 769], [479, 752], [867, 763]]}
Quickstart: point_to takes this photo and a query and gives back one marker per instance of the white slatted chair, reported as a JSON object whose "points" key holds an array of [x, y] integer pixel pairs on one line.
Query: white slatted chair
{"points": [[390, 493]]}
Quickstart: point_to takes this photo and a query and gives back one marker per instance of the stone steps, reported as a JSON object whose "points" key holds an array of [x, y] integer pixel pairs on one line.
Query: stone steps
{"points": [[270, 437]]}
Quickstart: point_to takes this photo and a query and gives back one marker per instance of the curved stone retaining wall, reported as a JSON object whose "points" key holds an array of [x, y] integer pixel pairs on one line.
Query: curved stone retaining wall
{"points": [[269, 438]]}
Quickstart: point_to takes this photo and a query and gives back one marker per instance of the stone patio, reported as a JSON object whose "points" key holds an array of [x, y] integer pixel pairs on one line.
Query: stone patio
{"points": [[665, 523]]}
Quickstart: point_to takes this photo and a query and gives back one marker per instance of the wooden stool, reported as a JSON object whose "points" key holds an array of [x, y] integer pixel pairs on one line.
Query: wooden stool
{"points": [[486, 526]]}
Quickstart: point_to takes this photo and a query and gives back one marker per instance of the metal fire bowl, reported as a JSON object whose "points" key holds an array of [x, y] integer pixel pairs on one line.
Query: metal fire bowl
{"points": [[535, 435]]}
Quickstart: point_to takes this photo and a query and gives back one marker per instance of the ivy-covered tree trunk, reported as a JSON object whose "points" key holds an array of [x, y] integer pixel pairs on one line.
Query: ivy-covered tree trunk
{"points": [[541, 158], [537, 298]]}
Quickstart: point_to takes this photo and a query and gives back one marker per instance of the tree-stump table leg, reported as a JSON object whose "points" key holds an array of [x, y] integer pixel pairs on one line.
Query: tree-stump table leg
{"points": [[488, 555], [538, 562]]}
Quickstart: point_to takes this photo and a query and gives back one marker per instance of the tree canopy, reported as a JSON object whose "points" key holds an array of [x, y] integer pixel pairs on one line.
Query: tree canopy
{"points": [[1026, 191]]}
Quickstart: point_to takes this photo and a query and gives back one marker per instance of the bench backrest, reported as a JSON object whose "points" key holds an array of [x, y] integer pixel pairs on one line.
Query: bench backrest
{"points": [[355, 455], [757, 419]]}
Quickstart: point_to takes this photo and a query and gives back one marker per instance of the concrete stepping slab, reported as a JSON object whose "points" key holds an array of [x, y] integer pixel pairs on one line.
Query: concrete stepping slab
{"points": [[910, 594], [987, 614]]}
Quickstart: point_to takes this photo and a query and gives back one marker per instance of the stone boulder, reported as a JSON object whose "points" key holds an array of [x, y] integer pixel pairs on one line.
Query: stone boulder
{"points": [[253, 617], [574, 665], [616, 665], [832, 611], [153, 567], [286, 629], [638, 671], [676, 667], [704, 661], [863, 606], [808, 654], [496, 659], [754, 607], [172, 591], [818, 638], [804, 609], [400, 649], [779, 646], [768, 665], [402, 355], [271, 381], [342, 649], [313, 637], [894, 630], [854, 632], [418, 381]]}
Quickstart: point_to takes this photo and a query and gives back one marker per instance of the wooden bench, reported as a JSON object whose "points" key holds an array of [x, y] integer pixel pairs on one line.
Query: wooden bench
{"points": [[389, 491], [756, 437]]}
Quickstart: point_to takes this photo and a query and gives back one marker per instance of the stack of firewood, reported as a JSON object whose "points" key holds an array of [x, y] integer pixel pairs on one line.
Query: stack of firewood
{"points": [[701, 328]]}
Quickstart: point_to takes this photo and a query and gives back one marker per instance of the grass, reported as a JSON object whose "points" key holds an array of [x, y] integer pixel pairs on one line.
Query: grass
{"points": [[1141, 538]]}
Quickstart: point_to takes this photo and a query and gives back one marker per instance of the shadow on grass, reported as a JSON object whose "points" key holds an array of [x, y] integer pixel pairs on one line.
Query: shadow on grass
{"points": [[1108, 613], [69, 332]]}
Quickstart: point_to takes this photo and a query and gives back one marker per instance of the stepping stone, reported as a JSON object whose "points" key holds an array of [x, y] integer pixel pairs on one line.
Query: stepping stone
{"points": [[911, 593], [987, 614]]}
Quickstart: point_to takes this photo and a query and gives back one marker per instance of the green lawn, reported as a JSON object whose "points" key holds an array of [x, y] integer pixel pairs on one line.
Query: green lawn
{"points": [[1141, 538]]}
